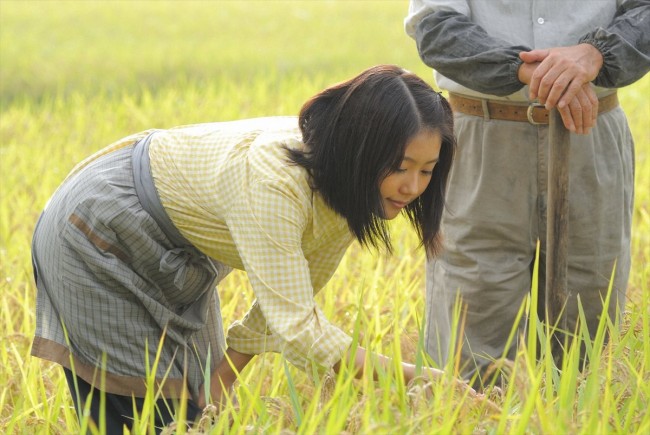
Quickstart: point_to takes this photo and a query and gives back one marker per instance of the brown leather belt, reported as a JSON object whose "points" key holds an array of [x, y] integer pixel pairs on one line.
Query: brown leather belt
{"points": [[534, 113]]}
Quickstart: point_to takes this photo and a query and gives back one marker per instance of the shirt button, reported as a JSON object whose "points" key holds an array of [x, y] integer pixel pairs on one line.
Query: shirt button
{"points": [[540, 20]]}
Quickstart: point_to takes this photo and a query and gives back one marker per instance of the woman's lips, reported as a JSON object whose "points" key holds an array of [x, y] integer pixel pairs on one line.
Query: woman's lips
{"points": [[398, 204]]}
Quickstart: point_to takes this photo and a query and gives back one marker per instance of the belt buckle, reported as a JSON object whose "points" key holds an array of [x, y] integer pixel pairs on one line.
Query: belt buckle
{"points": [[529, 113]]}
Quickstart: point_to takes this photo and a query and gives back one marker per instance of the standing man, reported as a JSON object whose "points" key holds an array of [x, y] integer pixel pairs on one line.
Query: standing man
{"points": [[497, 60]]}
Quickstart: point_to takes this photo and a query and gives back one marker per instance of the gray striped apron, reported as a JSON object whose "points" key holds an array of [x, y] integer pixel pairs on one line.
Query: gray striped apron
{"points": [[119, 287]]}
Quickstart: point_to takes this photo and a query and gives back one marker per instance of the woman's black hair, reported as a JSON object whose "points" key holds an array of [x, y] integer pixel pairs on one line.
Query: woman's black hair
{"points": [[356, 133]]}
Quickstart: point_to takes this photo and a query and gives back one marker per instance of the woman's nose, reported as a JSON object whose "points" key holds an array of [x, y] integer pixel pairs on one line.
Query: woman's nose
{"points": [[410, 185]]}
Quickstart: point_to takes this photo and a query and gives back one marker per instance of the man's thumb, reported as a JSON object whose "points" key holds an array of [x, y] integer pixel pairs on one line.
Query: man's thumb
{"points": [[533, 56]]}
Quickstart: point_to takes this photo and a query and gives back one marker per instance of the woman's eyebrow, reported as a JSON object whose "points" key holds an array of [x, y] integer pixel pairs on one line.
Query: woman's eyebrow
{"points": [[410, 159]]}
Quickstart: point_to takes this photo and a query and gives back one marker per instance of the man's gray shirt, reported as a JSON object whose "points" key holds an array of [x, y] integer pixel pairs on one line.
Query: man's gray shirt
{"points": [[474, 46]]}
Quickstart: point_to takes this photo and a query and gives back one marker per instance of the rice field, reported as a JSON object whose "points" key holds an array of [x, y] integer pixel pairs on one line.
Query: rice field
{"points": [[75, 76]]}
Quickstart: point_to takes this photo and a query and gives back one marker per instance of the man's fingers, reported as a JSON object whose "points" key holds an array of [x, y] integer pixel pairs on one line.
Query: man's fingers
{"points": [[593, 98], [560, 73], [561, 80], [536, 80], [587, 109], [589, 102], [567, 118], [533, 55], [547, 80], [577, 115], [574, 88], [561, 86], [581, 114]]}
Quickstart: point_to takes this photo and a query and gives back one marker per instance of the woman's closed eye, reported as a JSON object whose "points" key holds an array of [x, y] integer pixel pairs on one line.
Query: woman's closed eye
{"points": [[427, 172]]}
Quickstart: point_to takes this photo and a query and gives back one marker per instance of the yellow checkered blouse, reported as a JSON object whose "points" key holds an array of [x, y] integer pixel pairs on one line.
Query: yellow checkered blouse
{"points": [[230, 190]]}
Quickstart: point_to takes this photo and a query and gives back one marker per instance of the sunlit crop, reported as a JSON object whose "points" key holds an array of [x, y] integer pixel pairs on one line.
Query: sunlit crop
{"points": [[75, 76]]}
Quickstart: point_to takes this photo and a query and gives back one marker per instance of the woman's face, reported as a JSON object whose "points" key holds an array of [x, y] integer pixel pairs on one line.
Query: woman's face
{"points": [[405, 184]]}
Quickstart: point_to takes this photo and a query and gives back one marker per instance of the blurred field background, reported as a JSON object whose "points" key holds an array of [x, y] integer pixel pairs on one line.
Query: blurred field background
{"points": [[75, 76]]}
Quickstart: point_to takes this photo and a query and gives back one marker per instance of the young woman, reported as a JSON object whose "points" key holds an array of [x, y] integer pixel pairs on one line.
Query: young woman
{"points": [[129, 249]]}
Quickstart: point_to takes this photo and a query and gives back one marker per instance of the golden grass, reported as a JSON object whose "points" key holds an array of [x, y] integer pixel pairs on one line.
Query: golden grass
{"points": [[78, 75]]}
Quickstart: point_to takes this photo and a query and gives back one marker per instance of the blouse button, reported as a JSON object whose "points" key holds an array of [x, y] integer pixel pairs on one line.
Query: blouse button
{"points": [[540, 20]]}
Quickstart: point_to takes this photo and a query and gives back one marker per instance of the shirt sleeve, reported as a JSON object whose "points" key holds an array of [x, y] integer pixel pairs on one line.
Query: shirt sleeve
{"points": [[267, 224], [449, 42], [624, 44]]}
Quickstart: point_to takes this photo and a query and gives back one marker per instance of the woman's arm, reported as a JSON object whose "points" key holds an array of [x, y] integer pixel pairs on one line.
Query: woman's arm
{"points": [[223, 377], [408, 370]]}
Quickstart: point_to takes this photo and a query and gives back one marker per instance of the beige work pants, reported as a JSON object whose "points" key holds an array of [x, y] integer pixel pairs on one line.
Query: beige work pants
{"points": [[496, 212]]}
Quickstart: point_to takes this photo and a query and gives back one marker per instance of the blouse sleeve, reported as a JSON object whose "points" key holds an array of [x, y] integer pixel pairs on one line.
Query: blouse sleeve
{"points": [[267, 224]]}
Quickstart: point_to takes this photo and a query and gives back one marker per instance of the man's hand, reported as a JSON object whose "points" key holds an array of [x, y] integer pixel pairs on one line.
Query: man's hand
{"points": [[562, 72], [580, 114]]}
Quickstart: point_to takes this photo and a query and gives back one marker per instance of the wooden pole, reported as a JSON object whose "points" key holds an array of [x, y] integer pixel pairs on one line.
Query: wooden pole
{"points": [[557, 227]]}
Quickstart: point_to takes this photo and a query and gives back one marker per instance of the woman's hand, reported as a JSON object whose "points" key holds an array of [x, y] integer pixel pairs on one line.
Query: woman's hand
{"points": [[409, 370], [223, 378]]}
